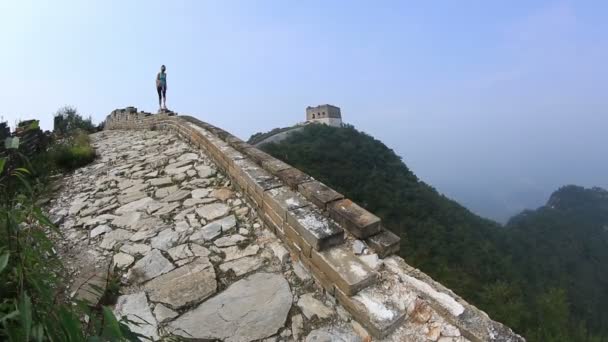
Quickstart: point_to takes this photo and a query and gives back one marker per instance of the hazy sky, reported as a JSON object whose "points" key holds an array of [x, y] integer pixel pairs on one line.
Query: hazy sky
{"points": [[489, 101]]}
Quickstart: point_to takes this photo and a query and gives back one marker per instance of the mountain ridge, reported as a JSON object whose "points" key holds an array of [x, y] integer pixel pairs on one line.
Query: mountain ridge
{"points": [[481, 260]]}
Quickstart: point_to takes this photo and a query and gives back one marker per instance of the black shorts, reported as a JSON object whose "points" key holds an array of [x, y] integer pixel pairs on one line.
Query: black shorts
{"points": [[161, 90]]}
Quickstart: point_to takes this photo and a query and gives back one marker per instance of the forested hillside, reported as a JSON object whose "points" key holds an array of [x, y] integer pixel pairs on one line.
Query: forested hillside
{"points": [[544, 274]]}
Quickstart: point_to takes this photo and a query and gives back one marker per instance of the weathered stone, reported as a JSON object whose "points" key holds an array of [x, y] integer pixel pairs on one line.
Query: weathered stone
{"points": [[149, 267], [312, 307], [241, 213], [379, 312], [242, 266], [297, 326], [90, 286], [164, 192], [143, 235], [199, 193], [127, 220], [191, 202], [167, 208], [130, 197], [77, 205], [160, 181], [138, 205], [333, 334], [165, 239], [213, 211], [135, 308], [385, 243], [177, 196], [346, 270], [293, 177], [163, 313], [234, 252], [279, 252], [231, 240], [207, 233], [282, 199], [112, 238], [205, 171], [250, 309], [101, 219], [183, 286], [135, 249], [372, 261], [434, 331], [450, 331], [301, 271], [152, 174], [187, 157], [317, 230], [182, 227], [122, 260], [199, 250], [177, 170], [319, 193], [222, 194], [180, 252], [100, 230], [358, 247], [360, 222], [227, 222]]}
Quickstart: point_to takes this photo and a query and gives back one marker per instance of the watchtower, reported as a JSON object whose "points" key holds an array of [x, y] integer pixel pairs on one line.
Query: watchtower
{"points": [[327, 114]]}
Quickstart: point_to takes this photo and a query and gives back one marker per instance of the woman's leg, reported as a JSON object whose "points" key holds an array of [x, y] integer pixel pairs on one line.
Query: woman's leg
{"points": [[165, 97], [159, 91]]}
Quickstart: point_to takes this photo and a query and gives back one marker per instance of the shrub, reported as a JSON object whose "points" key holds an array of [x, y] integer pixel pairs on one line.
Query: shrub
{"points": [[73, 152], [67, 120]]}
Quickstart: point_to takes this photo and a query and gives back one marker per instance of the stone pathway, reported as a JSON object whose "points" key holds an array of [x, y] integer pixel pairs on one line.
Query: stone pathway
{"points": [[192, 257]]}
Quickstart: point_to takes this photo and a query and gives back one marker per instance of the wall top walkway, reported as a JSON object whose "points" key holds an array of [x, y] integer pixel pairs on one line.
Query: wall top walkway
{"points": [[324, 232]]}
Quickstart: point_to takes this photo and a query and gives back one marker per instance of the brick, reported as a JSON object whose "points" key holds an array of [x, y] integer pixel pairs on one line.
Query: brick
{"points": [[358, 221], [344, 268], [319, 276], [378, 326], [283, 199], [319, 231], [274, 165], [260, 180], [384, 243], [293, 177], [297, 239], [319, 193], [257, 155]]}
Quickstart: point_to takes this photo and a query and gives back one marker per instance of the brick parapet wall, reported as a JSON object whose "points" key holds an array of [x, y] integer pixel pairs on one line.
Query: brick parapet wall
{"points": [[319, 225]]}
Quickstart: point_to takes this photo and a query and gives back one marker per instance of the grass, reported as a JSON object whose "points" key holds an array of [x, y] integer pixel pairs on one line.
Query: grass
{"points": [[73, 152]]}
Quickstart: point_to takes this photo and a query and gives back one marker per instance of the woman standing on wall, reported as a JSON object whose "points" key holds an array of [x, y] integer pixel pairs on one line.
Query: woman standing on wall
{"points": [[161, 88]]}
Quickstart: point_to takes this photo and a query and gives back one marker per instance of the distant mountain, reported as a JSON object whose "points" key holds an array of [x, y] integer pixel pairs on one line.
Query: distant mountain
{"points": [[543, 274]]}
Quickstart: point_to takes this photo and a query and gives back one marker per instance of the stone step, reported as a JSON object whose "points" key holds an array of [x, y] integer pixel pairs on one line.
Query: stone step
{"points": [[291, 214], [358, 221], [349, 274], [384, 243], [319, 194]]}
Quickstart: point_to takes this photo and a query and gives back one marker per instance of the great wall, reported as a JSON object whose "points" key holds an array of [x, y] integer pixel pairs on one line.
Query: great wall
{"points": [[217, 240]]}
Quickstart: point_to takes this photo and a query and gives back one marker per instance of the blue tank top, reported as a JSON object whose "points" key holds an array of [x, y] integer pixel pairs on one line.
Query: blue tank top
{"points": [[163, 79]]}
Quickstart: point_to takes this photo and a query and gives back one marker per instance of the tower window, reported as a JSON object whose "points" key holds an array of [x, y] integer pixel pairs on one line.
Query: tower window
{"points": [[313, 115]]}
